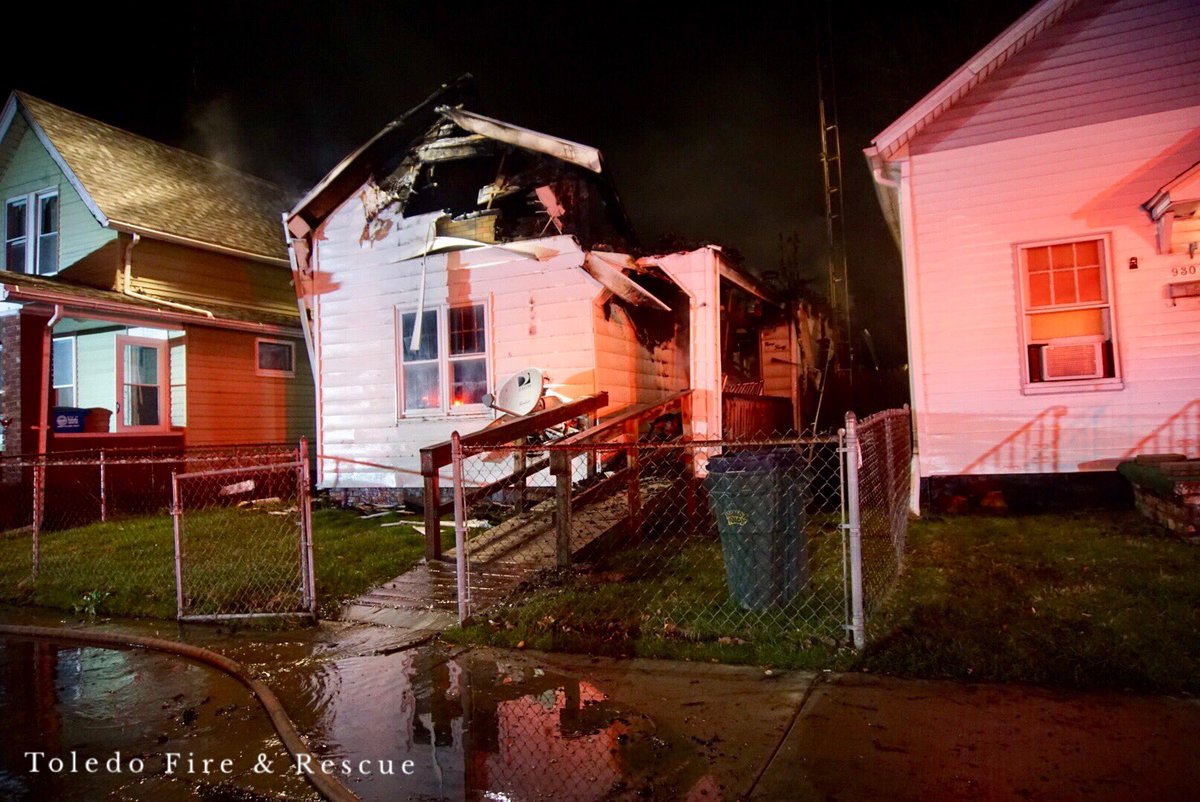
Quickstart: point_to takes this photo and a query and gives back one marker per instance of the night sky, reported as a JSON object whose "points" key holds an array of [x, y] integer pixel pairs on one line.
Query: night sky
{"points": [[708, 122]]}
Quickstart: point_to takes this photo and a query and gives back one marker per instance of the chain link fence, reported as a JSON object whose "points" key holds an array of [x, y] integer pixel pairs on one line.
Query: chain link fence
{"points": [[93, 531], [243, 545], [625, 533], [884, 479]]}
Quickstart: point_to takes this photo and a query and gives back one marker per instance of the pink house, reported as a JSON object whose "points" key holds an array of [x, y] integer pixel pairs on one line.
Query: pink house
{"points": [[1044, 200]]}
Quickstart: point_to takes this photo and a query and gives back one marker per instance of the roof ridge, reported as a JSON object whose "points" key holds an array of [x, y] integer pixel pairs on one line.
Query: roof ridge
{"points": [[25, 97], [978, 68]]}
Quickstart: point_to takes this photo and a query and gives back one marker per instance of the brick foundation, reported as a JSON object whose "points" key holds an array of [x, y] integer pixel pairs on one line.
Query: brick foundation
{"points": [[1179, 512]]}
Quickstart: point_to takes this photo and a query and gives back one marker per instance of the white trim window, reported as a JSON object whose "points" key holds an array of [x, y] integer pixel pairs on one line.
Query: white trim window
{"points": [[1067, 314], [143, 384], [63, 373], [274, 358], [31, 225], [447, 372]]}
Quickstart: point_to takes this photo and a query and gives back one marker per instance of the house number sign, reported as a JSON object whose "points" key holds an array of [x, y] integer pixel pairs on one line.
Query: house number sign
{"points": [[1185, 270]]}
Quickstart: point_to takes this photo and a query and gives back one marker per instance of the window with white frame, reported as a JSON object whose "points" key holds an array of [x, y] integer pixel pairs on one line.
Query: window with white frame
{"points": [[444, 367], [274, 357], [143, 384], [63, 379], [31, 226], [1067, 312]]}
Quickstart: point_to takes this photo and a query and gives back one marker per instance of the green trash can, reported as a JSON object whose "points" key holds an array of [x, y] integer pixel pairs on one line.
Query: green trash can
{"points": [[759, 500]]}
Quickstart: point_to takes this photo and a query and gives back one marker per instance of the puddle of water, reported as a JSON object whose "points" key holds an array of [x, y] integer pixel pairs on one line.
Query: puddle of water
{"points": [[420, 724], [129, 712]]}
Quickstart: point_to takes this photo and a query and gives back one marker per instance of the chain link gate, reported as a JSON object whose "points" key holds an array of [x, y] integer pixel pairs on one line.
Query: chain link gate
{"points": [[243, 542]]}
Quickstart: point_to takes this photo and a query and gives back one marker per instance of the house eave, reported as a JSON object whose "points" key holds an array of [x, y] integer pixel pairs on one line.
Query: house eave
{"points": [[965, 78], [179, 239], [73, 305]]}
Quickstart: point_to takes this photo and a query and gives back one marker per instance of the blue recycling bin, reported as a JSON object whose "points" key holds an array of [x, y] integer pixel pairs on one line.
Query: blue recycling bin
{"points": [[759, 500]]}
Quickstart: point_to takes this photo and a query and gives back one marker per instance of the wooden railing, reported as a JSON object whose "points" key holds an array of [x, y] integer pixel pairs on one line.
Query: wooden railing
{"points": [[437, 456], [624, 428], [745, 416]]}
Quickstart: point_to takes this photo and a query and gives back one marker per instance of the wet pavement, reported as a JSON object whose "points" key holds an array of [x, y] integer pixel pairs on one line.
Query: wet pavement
{"points": [[438, 722]]}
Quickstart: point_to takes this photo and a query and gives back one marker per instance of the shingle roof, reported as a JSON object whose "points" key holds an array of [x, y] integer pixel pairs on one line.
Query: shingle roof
{"points": [[151, 188]]}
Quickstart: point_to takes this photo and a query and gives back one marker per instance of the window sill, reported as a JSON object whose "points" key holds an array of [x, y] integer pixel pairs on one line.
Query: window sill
{"points": [[125, 433], [437, 414], [1081, 386]]}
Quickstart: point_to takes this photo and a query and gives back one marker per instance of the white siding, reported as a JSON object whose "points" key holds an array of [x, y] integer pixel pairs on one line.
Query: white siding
{"points": [[1104, 61], [539, 313], [970, 207], [698, 273]]}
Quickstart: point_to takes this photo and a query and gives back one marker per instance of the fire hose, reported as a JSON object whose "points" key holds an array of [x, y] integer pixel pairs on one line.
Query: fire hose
{"points": [[325, 785]]}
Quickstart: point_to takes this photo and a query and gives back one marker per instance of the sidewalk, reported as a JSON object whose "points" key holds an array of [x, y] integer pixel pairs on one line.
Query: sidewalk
{"points": [[800, 736], [865, 737]]}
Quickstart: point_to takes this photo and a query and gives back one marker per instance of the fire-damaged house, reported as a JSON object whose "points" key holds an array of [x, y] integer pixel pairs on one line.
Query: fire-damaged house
{"points": [[453, 252]]}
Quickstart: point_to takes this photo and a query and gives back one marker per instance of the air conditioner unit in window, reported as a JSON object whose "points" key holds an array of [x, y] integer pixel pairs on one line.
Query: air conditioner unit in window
{"points": [[1073, 358]]}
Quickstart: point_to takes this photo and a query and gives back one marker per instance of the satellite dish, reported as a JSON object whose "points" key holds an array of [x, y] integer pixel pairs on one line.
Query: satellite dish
{"points": [[519, 393]]}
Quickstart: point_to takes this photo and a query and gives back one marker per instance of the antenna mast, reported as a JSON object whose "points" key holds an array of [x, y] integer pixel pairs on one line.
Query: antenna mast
{"points": [[831, 168]]}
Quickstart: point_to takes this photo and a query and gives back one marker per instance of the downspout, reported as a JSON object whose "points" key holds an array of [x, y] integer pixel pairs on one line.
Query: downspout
{"points": [[905, 241], [127, 284], [877, 174], [310, 343]]}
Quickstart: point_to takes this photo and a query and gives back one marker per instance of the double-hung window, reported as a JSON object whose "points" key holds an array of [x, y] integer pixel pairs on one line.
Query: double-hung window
{"points": [[143, 384], [31, 233], [1067, 314], [63, 377], [444, 368]]}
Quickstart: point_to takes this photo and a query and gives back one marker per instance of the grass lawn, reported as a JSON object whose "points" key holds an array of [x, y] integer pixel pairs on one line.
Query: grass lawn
{"points": [[127, 566], [1091, 600], [669, 598]]}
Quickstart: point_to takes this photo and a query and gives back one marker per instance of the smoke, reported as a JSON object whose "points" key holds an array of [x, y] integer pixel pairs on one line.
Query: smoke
{"points": [[214, 132]]}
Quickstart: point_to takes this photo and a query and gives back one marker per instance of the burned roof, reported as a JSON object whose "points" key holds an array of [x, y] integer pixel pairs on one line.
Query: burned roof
{"points": [[143, 186], [496, 181]]}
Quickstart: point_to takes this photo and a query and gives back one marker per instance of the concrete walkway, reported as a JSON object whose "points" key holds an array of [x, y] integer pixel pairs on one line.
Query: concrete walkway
{"points": [[424, 600], [863, 737], [803, 736]]}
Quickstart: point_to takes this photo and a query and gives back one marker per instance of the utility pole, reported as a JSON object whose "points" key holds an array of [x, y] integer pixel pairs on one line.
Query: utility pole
{"points": [[831, 168]]}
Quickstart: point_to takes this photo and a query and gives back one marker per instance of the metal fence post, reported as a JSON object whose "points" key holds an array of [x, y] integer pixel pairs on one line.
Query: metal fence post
{"points": [[306, 533], [460, 530], [858, 627], [633, 489], [103, 495], [177, 524], [39, 500]]}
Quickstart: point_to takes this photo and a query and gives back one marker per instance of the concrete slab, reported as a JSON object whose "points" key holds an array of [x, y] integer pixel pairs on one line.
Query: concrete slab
{"points": [[874, 738], [727, 719]]}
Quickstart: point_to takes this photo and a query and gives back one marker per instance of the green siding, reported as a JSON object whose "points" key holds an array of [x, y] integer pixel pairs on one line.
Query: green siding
{"points": [[30, 169], [96, 380]]}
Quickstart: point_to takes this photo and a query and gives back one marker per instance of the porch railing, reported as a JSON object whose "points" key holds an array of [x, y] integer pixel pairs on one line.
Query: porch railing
{"points": [[438, 456], [744, 416]]}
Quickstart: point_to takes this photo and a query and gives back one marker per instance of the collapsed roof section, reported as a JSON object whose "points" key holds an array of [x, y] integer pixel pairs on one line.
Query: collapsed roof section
{"points": [[494, 182]]}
